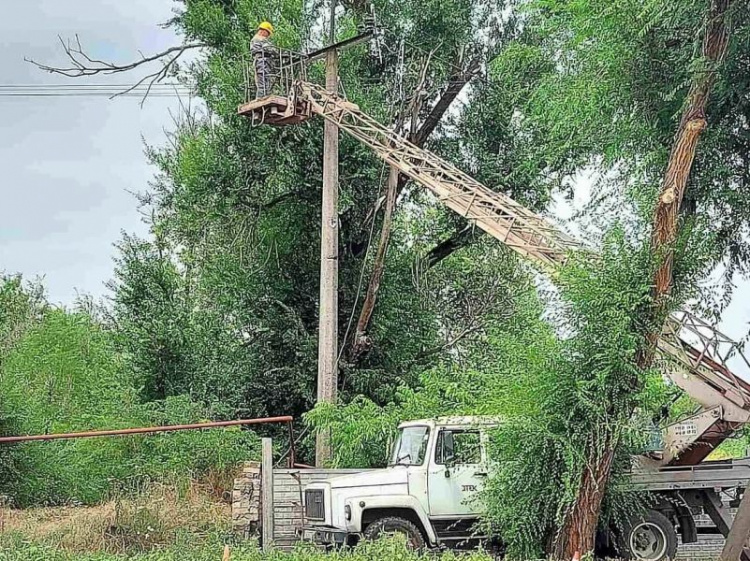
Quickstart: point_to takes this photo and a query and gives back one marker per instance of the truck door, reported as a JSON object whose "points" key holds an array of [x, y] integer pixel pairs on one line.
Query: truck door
{"points": [[456, 472]]}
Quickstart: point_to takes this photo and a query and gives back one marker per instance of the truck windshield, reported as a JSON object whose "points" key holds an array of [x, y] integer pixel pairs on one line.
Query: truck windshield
{"points": [[410, 446]]}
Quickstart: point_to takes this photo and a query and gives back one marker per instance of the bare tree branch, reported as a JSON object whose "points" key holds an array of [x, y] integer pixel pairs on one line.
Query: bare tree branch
{"points": [[456, 84], [83, 65], [476, 320], [396, 183], [473, 328], [361, 340]]}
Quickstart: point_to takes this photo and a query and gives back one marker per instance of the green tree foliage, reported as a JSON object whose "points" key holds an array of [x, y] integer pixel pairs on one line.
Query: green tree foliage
{"points": [[151, 313], [220, 306], [612, 78], [609, 82], [64, 374], [583, 397], [554, 379], [20, 307], [495, 374], [223, 303]]}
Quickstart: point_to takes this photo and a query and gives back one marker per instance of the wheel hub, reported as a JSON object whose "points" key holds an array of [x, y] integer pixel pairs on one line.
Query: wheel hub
{"points": [[648, 542]]}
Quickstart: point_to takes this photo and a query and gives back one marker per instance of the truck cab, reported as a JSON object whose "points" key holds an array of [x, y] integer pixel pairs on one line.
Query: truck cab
{"points": [[427, 493]]}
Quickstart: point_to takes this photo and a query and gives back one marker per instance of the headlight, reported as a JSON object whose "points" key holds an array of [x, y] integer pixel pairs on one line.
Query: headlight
{"points": [[348, 512]]}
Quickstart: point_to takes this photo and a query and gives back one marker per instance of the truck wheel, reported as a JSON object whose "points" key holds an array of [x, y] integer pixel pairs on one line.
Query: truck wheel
{"points": [[394, 525], [650, 537]]}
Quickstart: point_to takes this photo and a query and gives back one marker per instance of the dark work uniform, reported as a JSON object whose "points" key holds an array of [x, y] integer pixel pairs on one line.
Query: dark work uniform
{"points": [[264, 57]]}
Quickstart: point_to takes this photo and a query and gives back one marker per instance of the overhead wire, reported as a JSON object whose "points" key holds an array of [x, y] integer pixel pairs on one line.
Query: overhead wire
{"points": [[360, 283], [95, 90], [105, 95], [89, 85]]}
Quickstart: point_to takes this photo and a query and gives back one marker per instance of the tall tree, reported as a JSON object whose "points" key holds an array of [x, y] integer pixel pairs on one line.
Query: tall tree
{"points": [[581, 519], [223, 303]]}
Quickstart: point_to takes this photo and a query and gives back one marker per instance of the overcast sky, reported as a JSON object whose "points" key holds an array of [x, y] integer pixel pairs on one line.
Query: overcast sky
{"points": [[69, 164]]}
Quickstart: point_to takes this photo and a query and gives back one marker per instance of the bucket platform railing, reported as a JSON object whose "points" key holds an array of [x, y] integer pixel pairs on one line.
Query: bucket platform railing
{"points": [[282, 106]]}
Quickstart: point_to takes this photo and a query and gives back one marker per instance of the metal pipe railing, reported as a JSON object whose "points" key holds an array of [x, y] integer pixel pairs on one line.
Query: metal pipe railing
{"points": [[146, 430]]}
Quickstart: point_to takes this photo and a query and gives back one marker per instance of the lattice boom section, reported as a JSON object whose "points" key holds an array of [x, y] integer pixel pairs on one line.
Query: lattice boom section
{"points": [[705, 351], [522, 230]]}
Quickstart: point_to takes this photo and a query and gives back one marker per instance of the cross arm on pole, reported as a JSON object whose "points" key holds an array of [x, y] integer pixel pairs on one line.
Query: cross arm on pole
{"points": [[341, 45]]}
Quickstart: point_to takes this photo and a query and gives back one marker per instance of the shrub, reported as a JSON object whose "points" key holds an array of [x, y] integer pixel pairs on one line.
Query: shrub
{"points": [[64, 375]]}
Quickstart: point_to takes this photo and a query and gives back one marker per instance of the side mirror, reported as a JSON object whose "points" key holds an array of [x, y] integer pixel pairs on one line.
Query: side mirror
{"points": [[450, 462], [447, 456]]}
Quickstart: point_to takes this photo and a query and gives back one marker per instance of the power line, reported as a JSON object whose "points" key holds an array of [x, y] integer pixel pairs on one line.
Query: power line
{"points": [[172, 90], [85, 86], [105, 95]]}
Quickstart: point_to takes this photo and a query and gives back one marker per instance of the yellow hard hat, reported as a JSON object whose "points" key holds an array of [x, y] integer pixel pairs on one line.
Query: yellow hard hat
{"points": [[267, 26]]}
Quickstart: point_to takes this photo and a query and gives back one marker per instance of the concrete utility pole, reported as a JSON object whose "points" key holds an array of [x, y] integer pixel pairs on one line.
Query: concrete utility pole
{"points": [[329, 258]]}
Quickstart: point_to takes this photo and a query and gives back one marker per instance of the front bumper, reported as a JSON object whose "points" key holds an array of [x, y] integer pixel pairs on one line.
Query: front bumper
{"points": [[324, 535]]}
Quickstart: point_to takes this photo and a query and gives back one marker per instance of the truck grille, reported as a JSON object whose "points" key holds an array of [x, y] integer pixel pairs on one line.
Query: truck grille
{"points": [[314, 504]]}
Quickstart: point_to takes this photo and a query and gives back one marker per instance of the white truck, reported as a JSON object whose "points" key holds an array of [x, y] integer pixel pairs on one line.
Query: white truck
{"points": [[428, 494]]}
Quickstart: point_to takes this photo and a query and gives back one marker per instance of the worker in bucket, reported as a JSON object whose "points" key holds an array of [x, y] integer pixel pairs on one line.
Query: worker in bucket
{"points": [[264, 57]]}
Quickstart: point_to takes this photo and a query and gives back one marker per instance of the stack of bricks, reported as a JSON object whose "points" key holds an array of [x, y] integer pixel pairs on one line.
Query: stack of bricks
{"points": [[709, 545], [707, 548], [246, 501]]}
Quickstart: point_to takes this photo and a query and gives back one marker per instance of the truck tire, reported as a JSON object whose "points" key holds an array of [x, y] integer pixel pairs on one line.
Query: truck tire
{"points": [[651, 537], [394, 525]]}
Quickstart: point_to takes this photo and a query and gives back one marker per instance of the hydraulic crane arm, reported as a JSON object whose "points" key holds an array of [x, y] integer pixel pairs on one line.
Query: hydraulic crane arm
{"points": [[700, 371], [500, 216]]}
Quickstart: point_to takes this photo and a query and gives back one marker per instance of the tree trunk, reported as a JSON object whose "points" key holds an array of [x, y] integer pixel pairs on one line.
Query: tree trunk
{"points": [[396, 183], [736, 545], [581, 518], [578, 530], [361, 341], [692, 124]]}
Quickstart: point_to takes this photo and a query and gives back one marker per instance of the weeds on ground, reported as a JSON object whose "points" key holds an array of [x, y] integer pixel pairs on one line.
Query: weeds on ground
{"points": [[160, 517], [212, 549]]}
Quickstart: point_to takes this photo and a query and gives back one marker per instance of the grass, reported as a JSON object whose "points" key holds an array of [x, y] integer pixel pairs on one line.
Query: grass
{"points": [[159, 518], [212, 550], [163, 524]]}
